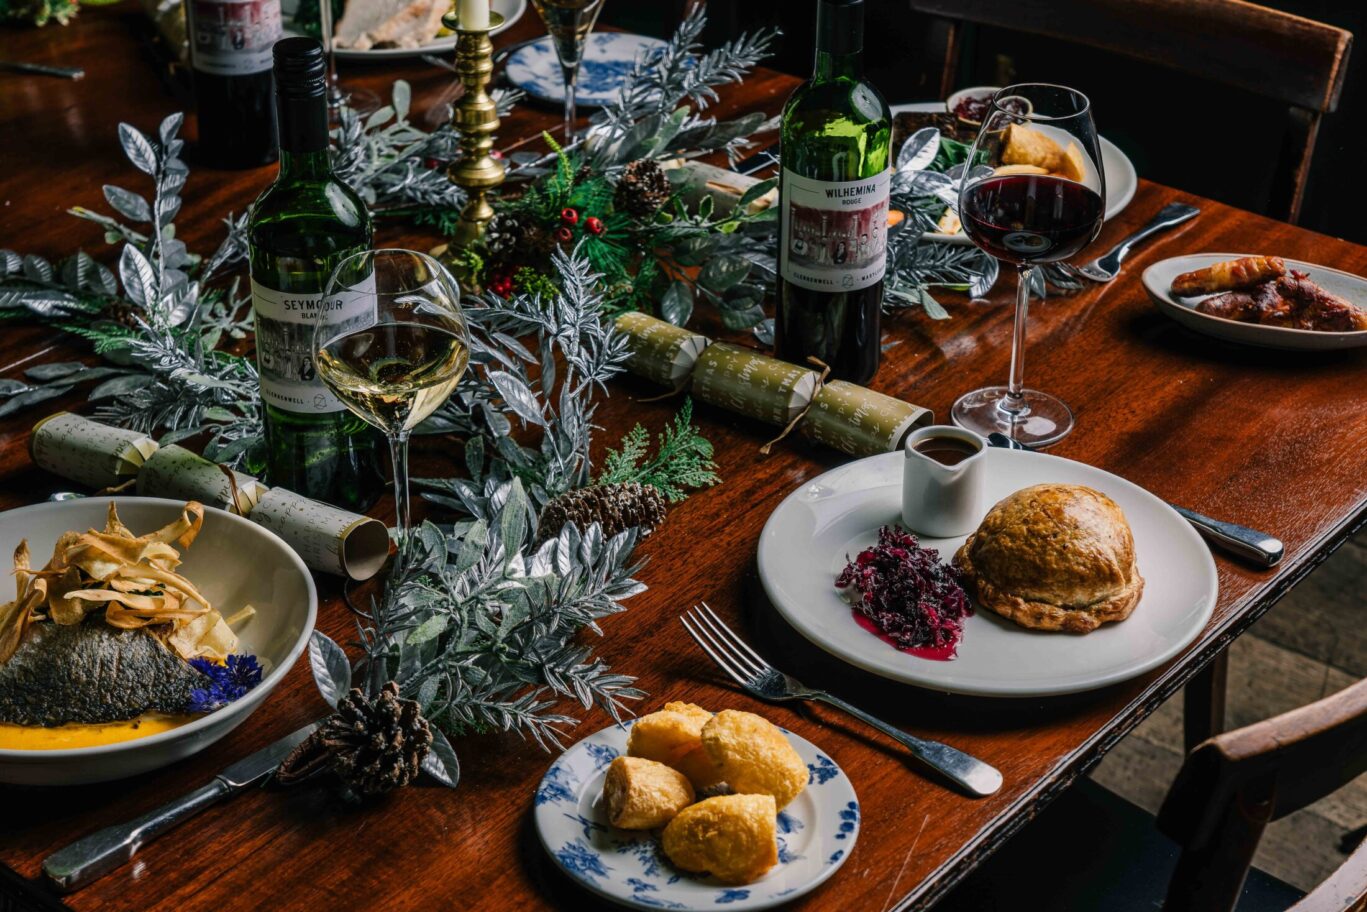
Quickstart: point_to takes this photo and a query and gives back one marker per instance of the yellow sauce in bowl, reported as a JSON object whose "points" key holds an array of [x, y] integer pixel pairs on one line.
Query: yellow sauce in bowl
{"points": [[66, 737]]}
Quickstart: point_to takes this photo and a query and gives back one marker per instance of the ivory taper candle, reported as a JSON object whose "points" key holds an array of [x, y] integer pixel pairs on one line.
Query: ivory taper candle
{"points": [[473, 15]]}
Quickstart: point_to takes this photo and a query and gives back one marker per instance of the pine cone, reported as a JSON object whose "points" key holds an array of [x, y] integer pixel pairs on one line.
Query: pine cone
{"points": [[615, 507], [123, 314], [514, 239], [372, 745], [643, 189]]}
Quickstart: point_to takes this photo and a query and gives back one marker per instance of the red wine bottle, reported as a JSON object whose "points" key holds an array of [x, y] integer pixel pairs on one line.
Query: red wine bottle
{"points": [[834, 147], [230, 54]]}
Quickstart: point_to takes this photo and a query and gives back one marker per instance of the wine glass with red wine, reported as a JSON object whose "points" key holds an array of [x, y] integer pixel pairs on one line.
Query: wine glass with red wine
{"points": [[1033, 193]]}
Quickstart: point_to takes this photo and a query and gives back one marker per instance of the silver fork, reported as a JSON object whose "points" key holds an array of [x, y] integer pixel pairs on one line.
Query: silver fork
{"points": [[762, 680]]}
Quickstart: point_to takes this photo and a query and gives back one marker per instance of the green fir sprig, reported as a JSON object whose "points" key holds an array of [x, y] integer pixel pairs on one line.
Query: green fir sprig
{"points": [[682, 460]]}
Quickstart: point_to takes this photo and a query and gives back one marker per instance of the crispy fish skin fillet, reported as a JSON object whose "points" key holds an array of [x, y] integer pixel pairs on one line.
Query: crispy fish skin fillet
{"points": [[1244, 272], [754, 756], [673, 736], [732, 836], [642, 794], [91, 673]]}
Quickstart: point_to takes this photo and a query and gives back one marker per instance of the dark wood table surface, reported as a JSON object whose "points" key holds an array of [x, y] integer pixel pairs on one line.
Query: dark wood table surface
{"points": [[1265, 438]]}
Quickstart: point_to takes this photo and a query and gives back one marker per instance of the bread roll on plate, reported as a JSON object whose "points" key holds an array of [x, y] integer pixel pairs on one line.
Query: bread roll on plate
{"points": [[732, 837], [642, 794]]}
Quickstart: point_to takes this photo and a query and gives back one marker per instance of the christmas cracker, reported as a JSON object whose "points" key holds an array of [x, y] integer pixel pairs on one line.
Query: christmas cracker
{"points": [[696, 180], [328, 539], [748, 383], [660, 351], [93, 454], [842, 415]]}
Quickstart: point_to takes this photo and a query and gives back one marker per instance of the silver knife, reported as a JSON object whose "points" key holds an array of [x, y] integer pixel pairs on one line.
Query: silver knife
{"points": [[89, 859], [1107, 266], [1259, 547], [42, 69]]}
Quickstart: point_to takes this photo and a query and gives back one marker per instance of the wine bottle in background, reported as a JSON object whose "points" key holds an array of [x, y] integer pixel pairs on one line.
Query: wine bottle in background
{"points": [[300, 228], [230, 54], [833, 206]]}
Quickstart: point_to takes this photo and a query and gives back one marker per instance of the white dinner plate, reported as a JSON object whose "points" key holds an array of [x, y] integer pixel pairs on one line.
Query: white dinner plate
{"points": [[1158, 283], [608, 58], [816, 833], [234, 563], [511, 10], [1121, 179], [805, 543]]}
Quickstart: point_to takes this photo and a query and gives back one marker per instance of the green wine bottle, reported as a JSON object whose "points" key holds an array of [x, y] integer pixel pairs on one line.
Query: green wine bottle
{"points": [[300, 228], [833, 205]]}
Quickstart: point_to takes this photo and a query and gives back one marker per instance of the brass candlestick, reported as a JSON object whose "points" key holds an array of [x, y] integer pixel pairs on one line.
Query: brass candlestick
{"points": [[476, 119]]}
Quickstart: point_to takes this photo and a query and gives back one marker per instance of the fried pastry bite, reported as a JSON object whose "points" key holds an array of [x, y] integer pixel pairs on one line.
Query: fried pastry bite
{"points": [[732, 837], [753, 756], [673, 736], [1230, 275], [1027, 146], [642, 794]]}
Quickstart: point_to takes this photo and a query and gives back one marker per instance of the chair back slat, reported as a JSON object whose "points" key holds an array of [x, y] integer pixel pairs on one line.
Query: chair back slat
{"points": [[1232, 785], [1271, 53]]}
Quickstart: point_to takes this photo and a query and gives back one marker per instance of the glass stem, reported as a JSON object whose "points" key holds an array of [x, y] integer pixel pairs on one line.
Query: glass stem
{"points": [[403, 518], [571, 74], [1014, 403], [335, 96]]}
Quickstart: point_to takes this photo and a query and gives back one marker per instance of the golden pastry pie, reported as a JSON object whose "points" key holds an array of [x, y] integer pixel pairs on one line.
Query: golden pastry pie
{"points": [[733, 837], [1054, 557], [753, 756], [641, 794], [673, 736]]}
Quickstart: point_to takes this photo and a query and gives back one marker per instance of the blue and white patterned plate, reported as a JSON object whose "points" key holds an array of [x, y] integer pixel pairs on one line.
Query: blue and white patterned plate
{"points": [[608, 57], [816, 833]]}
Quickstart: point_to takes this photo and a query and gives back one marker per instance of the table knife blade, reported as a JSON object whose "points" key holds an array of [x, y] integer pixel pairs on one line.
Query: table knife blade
{"points": [[93, 856]]}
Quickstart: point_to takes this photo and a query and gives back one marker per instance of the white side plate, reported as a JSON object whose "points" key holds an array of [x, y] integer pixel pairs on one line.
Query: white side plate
{"points": [[511, 11], [804, 545], [608, 58], [1158, 282]]}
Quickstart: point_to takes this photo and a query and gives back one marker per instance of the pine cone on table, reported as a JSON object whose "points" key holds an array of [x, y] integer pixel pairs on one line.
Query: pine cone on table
{"points": [[642, 189], [373, 746], [515, 238], [615, 507]]}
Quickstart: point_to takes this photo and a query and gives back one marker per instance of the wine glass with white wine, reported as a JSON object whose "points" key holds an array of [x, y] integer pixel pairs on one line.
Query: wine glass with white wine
{"points": [[401, 359], [569, 23]]}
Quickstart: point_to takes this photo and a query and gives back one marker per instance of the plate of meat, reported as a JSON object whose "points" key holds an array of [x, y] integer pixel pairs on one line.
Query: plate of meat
{"points": [[1262, 300]]}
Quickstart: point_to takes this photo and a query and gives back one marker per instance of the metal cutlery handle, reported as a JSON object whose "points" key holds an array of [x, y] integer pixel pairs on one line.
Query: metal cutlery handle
{"points": [[1257, 546], [42, 69], [977, 777], [88, 859], [1169, 215]]}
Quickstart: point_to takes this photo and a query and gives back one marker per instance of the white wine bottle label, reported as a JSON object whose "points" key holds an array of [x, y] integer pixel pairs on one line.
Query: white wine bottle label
{"points": [[284, 343], [834, 234], [233, 37]]}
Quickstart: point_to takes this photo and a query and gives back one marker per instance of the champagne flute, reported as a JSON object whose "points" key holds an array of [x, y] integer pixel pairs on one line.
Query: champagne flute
{"points": [[569, 23], [362, 101], [1033, 193], [401, 359]]}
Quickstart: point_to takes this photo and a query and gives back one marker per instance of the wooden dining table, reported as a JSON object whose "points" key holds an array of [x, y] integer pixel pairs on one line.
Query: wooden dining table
{"points": [[1266, 438]]}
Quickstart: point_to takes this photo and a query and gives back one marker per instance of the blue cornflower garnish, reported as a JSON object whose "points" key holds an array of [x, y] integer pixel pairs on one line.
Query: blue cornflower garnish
{"points": [[228, 681]]}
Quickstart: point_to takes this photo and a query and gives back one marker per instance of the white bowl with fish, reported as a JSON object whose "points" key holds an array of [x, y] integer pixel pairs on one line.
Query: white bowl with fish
{"points": [[137, 631]]}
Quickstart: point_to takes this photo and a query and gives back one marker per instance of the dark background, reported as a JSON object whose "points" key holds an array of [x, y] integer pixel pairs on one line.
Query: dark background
{"points": [[1202, 137]]}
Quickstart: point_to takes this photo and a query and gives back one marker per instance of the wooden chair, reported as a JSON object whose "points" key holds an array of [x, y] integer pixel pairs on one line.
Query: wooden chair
{"points": [[1091, 850], [1273, 54]]}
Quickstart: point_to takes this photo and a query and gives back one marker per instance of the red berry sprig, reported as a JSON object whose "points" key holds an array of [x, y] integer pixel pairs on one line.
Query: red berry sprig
{"points": [[563, 234], [569, 216], [594, 224]]}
